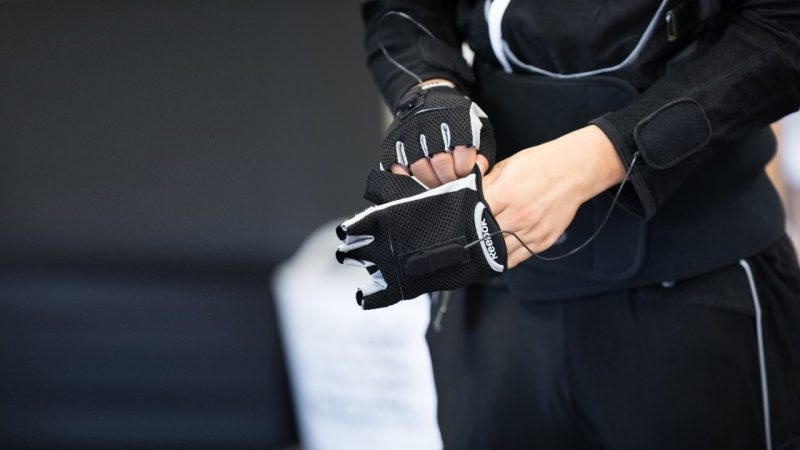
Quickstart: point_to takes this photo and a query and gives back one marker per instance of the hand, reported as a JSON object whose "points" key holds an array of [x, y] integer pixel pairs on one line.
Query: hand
{"points": [[438, 135], [417, 245], [442, 168], [537, 191]]}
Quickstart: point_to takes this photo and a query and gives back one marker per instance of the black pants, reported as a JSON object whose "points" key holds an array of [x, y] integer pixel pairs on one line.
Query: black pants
{"points": [[670, 366]]}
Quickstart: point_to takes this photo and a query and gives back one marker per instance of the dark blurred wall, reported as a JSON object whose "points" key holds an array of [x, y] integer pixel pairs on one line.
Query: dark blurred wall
{"points": [[197, 129], [157, 160]]}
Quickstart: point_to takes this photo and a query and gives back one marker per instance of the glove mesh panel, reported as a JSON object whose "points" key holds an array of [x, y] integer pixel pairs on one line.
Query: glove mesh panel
{"points": [[435, 107]]}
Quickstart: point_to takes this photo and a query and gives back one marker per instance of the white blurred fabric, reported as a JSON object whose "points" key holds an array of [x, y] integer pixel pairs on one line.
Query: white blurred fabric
{"points": [[790, 149], [361, 379]]}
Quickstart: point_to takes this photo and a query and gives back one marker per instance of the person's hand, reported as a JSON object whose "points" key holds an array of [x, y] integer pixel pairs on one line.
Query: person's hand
{"points": [[537, 191], [442, 168], [438, 135]]}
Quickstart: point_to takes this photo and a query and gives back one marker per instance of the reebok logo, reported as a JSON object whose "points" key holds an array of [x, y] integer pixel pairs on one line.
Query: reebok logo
{"points": [[488, 240], [487, 245]]}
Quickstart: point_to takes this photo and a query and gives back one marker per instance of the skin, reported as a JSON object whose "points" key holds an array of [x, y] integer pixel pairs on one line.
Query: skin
{"points": [[537, 191], [444, 167]]}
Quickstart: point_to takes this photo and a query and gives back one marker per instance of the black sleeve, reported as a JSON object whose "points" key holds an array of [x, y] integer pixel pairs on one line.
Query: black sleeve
{"points": [[747, 79], [412, 47]]}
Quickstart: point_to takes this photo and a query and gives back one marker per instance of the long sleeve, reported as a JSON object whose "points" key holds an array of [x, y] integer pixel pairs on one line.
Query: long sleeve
{"points": [[412, 47], [745, 79]]}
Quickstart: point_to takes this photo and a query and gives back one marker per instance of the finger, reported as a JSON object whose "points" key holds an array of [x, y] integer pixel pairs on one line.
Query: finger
{"points": [[544, 244], [482, 163], [374, 296], [464, 160], [397, 169], [538, 246], [519, 253], [517, 257], [443, 166], [512, 245], [424, 172]]}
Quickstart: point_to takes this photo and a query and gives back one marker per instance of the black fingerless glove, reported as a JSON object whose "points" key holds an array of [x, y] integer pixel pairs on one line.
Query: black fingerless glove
{"points": [[417, 241], [432, 120]]}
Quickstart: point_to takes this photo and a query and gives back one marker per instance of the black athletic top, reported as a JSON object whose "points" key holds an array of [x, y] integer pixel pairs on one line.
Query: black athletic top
{"points": [[711, 71]]}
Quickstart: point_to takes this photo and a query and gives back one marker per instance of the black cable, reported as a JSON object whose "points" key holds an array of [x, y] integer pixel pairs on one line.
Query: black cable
{"points": [[383, 48], [419, 80], [587, 241]]}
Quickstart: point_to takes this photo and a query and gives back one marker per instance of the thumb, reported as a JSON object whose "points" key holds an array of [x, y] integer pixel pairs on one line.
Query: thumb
{"points": [[397, 169], [483, 164]]}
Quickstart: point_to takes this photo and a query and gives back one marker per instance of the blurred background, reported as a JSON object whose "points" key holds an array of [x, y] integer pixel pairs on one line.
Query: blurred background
{"points": [[159, 161]]}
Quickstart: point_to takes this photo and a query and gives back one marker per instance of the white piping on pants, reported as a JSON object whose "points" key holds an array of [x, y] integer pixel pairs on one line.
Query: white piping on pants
{"points": [[762, 365]]}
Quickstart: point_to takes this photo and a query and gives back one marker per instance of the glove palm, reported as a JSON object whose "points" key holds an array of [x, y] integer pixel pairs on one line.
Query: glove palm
{"points": [[418, 240]]}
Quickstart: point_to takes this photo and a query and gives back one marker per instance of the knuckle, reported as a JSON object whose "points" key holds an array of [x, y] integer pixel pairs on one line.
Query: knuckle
{"points": [[440, 160], [522, 215], [418, 164]]}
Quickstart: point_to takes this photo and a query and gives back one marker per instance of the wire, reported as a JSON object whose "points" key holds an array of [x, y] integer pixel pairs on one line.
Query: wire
{"points": [[489, 236], [383, 48], [586, 242]]}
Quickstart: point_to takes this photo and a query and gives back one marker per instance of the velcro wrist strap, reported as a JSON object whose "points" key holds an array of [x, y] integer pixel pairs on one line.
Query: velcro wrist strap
{"points": [[672, 133]]}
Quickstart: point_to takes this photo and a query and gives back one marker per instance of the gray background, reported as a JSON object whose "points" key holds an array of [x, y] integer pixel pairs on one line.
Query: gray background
{"points": [[177, 129], [157, 160]]}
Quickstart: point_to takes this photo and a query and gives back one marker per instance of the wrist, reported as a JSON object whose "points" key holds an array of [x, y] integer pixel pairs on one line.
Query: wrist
{"points": [[596, 159], [411, 98], [608, 161]]}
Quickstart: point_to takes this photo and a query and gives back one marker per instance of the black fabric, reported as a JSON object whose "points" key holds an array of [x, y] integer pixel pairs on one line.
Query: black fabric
{"points": [[435, 120], [618, 252], [725, 210], [442, 256], [664, 138], [671, 366], [383, 187], [406, 43], [740, 63], [439, 56], [411, 242], [745, 77], [120, 355]]}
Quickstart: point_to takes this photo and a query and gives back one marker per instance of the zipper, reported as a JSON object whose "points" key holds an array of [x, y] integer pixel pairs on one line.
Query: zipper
{"points": [[444, 299]]}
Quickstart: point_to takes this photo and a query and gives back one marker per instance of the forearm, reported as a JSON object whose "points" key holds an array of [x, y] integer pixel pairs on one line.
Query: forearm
{"points": [[746, 79], [595, 159], [412, 47]]}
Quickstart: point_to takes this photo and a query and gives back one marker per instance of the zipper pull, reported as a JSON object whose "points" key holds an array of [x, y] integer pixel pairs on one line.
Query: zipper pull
{"points": [[444, 299]]}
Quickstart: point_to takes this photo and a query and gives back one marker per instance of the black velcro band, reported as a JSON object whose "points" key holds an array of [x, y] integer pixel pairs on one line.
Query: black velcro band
{"points": [[437, 258], [673, 133]]}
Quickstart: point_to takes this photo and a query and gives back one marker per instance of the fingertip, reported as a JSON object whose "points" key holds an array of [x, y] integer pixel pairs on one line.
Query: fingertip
{"points": [[397, 169], [483, 164], [511, 252], [463, 160], [444, 167], [424, 172]]}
